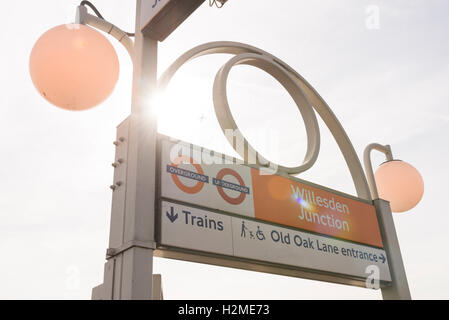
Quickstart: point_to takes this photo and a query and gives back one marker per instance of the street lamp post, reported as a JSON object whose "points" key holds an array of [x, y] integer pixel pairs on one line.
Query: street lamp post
{"points": [[128, 271], [399, 288], [132, 239], [408, 182], [129, 268], [69, 66]]}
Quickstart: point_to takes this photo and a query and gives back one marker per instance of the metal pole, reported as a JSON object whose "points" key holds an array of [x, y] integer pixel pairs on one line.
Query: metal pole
{"points": [[137, 267], [129, 269], [399, 289]]}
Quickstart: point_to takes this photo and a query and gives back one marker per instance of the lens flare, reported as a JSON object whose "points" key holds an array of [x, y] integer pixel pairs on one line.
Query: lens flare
{"points": [[305, 204]]}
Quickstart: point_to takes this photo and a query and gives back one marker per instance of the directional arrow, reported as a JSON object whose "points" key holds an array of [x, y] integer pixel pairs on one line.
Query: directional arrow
{"points": [[382, 257], [172, 216]]}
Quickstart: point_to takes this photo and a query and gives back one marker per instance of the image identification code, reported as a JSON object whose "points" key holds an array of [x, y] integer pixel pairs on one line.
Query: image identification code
{"points": [[248, 309], [229, 309]]}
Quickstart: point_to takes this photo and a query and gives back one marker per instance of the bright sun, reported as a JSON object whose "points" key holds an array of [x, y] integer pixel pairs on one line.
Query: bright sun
{"points": [[183, 106]]}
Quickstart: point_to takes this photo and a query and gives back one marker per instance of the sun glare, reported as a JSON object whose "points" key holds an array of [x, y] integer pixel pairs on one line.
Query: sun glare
{"points": [[182, 107]]}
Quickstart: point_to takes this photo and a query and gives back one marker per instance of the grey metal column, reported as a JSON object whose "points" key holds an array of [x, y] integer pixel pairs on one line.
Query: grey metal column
{"points": [[137, 267], [129, 270], [399, 289]]}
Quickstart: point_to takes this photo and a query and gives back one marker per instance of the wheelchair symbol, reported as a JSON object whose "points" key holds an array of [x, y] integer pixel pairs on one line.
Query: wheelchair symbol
{"points": [[259, 234]]}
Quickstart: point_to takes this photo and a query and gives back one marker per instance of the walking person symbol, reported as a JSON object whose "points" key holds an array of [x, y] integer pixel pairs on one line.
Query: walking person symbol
{"points": [[244, 228], [259, 234]]}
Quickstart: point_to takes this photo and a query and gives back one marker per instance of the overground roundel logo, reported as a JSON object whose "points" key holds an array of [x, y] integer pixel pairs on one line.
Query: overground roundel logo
{"points": [[176, 172], [220, 183]]}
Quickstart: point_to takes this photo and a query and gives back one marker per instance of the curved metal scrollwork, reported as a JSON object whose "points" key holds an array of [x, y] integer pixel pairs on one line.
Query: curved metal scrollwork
{"points": [[304, 95]]}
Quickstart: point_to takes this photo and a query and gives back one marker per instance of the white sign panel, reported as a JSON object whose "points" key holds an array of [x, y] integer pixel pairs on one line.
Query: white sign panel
{"points": [[265, 242], [195, 229], [190, 228]]}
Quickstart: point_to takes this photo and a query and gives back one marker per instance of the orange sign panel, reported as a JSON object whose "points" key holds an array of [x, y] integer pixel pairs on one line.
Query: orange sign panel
{"points": [[281, 200]]}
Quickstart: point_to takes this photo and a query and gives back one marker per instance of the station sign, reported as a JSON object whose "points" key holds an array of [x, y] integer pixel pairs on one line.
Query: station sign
{"points": [[209, 232], [205, 178], [212, 204]]}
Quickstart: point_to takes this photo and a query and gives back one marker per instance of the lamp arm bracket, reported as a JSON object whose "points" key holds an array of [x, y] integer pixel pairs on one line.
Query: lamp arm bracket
{"points": [[83, 17], [385, 149]]}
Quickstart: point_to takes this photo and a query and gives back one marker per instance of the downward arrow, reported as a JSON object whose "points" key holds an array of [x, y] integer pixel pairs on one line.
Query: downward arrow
{"points": [[172, 216], [382, 257]]}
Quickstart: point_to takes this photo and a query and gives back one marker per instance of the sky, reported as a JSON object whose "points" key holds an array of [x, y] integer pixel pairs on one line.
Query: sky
{"points": [[381, 66]]}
